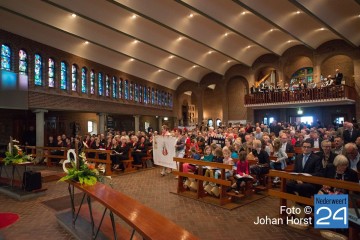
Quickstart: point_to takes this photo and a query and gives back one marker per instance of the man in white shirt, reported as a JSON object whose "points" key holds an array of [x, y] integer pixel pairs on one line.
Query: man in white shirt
{"points": [[352, 154]]}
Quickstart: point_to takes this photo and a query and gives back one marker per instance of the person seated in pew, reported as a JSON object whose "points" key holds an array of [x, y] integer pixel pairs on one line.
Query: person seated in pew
{"points": [[187, 167], [208, 156], [226, 160], [309, 163], [140, 150], [326, 156], [263, 161], [340, 170], [280, 162], [121, 152], [218, 157], [242, 172]]}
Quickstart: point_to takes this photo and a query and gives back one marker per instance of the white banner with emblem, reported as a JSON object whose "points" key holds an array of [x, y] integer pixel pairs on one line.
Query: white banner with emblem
{"points": [[164, 151]]}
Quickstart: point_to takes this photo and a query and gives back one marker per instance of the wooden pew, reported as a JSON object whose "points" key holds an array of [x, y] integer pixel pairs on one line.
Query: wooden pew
{"points": [[97, 160], [148, 157], [145, 221], [284, 196], [47, 153], [128, 163], [201, 193]]}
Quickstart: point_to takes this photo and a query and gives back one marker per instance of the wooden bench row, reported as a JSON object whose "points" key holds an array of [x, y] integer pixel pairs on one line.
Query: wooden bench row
{"points": [[145, 221]]}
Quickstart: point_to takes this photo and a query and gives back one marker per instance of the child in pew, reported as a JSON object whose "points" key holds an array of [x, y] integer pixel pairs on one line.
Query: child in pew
{"points": [[242, 172], [226, 160], [208, 156], [218, 157], [187, 167]]}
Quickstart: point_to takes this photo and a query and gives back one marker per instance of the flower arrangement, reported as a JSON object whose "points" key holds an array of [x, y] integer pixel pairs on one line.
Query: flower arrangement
{"points": [[15, 155], [83, 172]]}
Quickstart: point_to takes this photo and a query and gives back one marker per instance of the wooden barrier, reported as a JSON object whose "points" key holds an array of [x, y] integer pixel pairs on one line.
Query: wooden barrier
{"points": [[201, 193], [148, 157], [284, 196], [49, 153], [97, 160], [145, 221]]}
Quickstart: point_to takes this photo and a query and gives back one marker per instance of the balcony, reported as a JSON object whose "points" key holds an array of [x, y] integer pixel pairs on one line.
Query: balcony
{"points": [[331, 95]]}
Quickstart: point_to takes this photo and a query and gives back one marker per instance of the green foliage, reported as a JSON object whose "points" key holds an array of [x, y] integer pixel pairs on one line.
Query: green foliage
{"points": [[16, 157], [84, 175]]}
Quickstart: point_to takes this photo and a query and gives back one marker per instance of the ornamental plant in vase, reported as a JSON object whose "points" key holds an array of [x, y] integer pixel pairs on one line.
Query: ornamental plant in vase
{"points": [[15, 154], [81, 171]]}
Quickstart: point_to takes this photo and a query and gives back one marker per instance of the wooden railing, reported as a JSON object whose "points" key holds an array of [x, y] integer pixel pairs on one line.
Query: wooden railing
{"points": [[104, 159], [145, 221], [48, 153], [308, 94]]}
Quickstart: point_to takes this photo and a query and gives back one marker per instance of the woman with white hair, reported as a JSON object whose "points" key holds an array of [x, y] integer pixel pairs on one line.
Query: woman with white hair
{"points": [[339, 170]]}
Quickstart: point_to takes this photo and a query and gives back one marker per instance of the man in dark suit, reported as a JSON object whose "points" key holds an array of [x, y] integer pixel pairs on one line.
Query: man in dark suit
{"points": [[309, 163], [350, 134], [286, 145], [338, 77]]}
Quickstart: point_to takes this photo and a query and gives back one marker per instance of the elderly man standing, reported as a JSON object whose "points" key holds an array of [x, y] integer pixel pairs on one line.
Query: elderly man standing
{"points": [[327, 157]]}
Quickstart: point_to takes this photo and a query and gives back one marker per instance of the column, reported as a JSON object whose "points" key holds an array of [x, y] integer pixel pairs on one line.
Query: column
{"points": [[225, 107], [40, 123], [101, 125], [160, 124], [200, 106], [137, 123]]}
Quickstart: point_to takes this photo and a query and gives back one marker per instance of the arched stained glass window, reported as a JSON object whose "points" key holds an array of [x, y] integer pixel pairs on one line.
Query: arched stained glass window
{"points": [[74, 73], [63, 76], [140, 94], [126, 94], [51, 72], [152, 96], [156, 96], [145, 95], [92, 82], [5, 57], [100, 84], [114, 87], [131, 91], [120, 88], [149, 95], [83, 80], [38, 70], [23, 62], [171, 101], [136, 92], [107, 86]]}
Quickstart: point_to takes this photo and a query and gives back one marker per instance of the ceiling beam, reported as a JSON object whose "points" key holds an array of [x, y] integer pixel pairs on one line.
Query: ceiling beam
{"points": [[271, 22], [176, 31], [224, 25], [304, 9], [83, 39]]}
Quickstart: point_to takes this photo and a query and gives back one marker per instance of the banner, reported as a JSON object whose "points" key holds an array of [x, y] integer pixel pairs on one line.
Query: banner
{"points": [[164, 151]]}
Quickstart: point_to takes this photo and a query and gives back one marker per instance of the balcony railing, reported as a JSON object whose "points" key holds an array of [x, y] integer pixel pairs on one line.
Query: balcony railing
{"points": [[343, 93]]}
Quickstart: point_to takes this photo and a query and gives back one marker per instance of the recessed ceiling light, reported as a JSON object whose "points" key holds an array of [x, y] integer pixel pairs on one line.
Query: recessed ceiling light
{"points": [[298, 12], [178, 77], [131, 59], [243, 13], [180, 38], [194, 66], [73, 15], [289, 41], [322, 29], [86, 42], [136, 41], [171, 56], [133, 16], [248, 46], [228, 61], [226, 34], [210, 52], [160, 70], [191, 15], [272, 30]]}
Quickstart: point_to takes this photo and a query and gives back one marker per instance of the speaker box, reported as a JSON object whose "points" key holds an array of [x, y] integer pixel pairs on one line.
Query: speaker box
{"points": [[32, 181]]}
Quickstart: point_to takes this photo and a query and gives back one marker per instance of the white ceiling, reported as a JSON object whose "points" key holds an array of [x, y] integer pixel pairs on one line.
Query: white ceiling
{"points": [[168, 42]]}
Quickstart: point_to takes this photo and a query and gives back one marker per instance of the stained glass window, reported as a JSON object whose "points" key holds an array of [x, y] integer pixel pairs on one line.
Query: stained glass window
{"points": [[156, 97], [152, 96], [120, 88], [83, 80], [160, 97], [38, 70], [148, 95], [74, 71], [303, 75], [140, 93], [131, 91], [170, 101], [5, 57], [107, 85], [145, 95], [22, 62], [63, 76], [126, 83], [101, 84], [51, 72], [114, 87], [92, 82], [136, 92]]}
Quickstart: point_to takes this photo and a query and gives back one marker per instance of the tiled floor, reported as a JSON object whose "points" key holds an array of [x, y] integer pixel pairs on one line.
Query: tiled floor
{"points": [[203, 220]]}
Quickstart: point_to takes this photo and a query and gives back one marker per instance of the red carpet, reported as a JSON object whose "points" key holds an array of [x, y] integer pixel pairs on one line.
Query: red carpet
{"points": [[6, 219]]}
